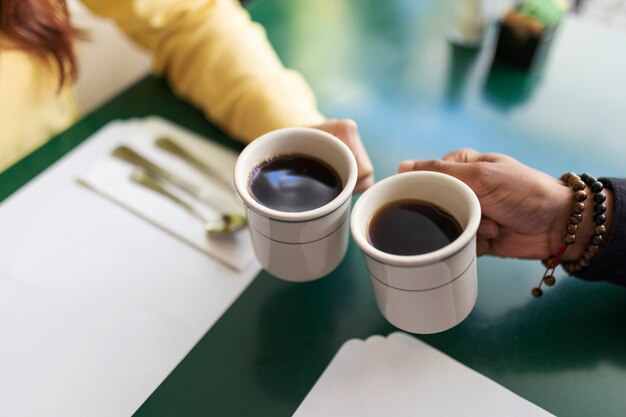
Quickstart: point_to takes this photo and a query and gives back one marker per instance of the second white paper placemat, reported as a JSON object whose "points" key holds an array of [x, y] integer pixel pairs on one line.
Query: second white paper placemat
{"points": [[400, 375]]}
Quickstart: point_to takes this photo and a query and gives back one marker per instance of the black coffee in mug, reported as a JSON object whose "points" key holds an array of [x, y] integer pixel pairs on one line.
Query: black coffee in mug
{"points": [[294, 183], [412, 227]]}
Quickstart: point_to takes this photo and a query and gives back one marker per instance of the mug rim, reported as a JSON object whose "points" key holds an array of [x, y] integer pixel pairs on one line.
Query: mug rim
{"points": [[359, 233], [241, 178]]}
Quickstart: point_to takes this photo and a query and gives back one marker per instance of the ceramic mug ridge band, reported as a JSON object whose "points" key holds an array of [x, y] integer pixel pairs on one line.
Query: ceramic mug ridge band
{"points": [[473, 261], [341, 223]]}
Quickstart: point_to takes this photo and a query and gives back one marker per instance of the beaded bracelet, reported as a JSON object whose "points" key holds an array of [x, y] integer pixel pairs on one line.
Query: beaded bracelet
{"points": [[576, 217], [599, 229]]}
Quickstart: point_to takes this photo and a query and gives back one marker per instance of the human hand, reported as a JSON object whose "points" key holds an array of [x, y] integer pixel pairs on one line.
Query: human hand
{"points": [[524, 210], [347, 131]]}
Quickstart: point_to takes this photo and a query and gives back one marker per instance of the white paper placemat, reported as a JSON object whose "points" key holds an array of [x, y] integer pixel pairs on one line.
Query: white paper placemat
{"points": [[97, 306], [400, 375]]}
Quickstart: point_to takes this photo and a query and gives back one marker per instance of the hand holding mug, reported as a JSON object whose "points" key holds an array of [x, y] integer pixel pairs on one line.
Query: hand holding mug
{"points": [[524, 210], [347, 131]]}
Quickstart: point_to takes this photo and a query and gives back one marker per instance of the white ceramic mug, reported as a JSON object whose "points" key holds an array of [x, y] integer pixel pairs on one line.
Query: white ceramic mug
{"points": [[306, 245], [431, 292]]}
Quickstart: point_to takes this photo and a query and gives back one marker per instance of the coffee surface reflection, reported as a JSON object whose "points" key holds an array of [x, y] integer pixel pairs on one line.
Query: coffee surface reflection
{"points": [[294, 183], [412, 227]]}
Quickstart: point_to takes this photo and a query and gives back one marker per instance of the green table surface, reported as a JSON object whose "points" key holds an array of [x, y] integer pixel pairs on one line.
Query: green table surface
{"points": [[388, 65]]}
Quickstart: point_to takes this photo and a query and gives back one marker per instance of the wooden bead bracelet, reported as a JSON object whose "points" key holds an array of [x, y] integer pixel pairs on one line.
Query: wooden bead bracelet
{"points": [[578, 184], [599, 229]]}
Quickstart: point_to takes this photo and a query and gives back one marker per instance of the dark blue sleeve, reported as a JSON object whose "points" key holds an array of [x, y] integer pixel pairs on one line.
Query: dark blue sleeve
{"points": [[611, 263]]}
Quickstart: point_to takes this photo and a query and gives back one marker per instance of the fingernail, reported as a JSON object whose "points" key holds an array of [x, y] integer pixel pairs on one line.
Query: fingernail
{"points": [[405, 166]]}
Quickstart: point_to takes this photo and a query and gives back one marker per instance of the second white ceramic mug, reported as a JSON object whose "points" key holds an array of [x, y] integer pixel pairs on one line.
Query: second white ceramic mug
{"points": [[431, 292], [307, 245]]}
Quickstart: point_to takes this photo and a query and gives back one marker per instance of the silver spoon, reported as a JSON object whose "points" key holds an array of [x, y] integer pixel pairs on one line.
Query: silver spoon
{"points": [[228, 224]]}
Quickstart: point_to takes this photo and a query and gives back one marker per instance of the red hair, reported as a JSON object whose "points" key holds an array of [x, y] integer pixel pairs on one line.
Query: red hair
{"points": [[43, 28]]}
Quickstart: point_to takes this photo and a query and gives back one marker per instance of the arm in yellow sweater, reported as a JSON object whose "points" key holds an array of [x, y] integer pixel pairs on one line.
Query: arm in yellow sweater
{"points": [[214, 56]]}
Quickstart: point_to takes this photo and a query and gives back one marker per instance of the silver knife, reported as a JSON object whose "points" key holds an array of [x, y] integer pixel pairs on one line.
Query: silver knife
{"points": [[176, 149]]}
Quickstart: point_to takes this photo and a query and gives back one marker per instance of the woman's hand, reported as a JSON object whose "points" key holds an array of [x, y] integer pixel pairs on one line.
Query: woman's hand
{"points": [[347, 131], [525, 211]]}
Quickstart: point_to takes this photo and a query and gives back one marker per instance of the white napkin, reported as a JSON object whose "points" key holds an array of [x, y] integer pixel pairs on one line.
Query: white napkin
{"points": [[110, 177], [400, 375]]}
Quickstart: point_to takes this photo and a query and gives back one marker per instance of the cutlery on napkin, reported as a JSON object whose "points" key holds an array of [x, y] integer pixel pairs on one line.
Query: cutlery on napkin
{"points": [[110, 178]]}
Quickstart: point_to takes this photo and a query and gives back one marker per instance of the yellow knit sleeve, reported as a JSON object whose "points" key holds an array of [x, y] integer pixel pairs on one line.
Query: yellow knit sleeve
{"points": [[214, 56]]}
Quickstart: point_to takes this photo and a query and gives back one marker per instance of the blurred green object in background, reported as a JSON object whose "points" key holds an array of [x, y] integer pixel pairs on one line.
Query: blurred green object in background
{"points": [[548, 12]]}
